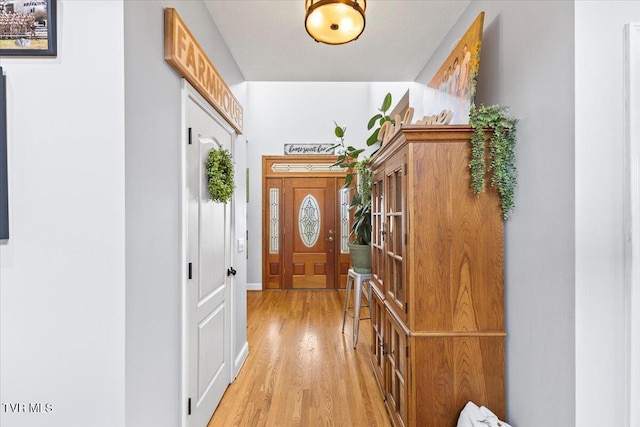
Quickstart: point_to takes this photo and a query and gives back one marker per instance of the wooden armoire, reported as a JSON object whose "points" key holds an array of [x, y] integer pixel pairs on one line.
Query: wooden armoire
{"points": [[437, 280]]}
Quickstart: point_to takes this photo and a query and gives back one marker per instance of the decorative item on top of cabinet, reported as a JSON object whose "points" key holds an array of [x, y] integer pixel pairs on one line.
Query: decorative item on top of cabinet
{"points": [[502, 158], [437, 277]]}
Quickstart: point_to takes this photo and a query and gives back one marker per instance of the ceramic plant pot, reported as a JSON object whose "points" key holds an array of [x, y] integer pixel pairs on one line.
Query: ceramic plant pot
{"points": [[360, 258]]}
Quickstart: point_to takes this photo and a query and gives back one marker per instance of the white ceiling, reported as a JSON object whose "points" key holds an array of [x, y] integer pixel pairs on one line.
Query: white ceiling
{"points": [[268, 40]]}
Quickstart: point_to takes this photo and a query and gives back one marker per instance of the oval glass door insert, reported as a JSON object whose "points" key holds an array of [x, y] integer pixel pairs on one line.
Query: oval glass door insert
{"points": [[309, 220]]}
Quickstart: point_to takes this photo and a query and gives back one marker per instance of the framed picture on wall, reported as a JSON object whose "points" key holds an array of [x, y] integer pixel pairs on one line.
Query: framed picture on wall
{"points": [[453, 87], [4, 187], [28, 28]]}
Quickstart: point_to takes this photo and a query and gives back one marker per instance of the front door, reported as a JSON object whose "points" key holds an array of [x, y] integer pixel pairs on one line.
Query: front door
{"points": [[310, 233], [209, 256]]}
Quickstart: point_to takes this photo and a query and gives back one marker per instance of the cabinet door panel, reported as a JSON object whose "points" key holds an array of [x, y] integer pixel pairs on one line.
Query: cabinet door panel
{"points": [[396, 371], [377, 336], [378, 232], [396, 238]]}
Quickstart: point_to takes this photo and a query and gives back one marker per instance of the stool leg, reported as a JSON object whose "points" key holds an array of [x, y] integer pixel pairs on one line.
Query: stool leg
{"points": [[346, 301], [356, 310]]}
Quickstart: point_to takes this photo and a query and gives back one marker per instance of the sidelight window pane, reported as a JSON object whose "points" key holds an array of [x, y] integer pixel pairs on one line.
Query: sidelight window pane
{"points": [[274, 219]]}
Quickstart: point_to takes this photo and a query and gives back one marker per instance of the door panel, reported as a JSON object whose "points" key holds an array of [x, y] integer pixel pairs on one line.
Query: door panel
{"points": [[209, 255], [210, 358], [213, 225], [310, 233]]}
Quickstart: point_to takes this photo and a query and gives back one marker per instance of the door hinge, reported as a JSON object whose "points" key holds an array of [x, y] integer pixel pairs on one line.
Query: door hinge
{"points": [[190, 270], [189, 406], [406, 307], [405, 238], [406, 351], [405, 168], [190, 136]]}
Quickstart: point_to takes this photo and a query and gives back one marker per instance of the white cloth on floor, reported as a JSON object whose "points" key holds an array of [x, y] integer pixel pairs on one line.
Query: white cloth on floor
{"points": [[474, 416]]}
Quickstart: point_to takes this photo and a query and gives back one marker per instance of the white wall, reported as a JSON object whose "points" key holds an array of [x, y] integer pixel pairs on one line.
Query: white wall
{"points": [[279, 113], [527, 63], [378, 90], [62, 270], [600, 296], [153, 180]]}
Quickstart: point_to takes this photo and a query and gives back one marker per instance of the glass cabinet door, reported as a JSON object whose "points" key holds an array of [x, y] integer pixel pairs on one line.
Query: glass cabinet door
{"points": [[395, 188], [378, 229]]}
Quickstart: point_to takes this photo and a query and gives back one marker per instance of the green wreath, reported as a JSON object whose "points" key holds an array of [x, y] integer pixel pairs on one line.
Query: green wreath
{"points": [[220, 175]]}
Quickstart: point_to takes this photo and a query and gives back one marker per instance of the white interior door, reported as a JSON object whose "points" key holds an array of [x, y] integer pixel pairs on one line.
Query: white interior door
{"points": [[208, 256]]}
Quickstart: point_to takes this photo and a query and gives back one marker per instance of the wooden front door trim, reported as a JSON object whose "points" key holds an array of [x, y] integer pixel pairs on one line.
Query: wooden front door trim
{"points": [[276, 172]]}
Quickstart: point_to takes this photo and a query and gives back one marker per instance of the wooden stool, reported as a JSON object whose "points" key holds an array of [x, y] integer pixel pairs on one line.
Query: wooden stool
{"points": [[356, 281]]}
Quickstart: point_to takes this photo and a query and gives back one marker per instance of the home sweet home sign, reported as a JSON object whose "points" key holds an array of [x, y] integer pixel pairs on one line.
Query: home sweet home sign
{"points": [[183, 52]]}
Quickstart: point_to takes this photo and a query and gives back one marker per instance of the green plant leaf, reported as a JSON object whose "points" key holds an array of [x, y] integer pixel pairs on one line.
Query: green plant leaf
{"points": [[386, 104], [372, 121], [341, 159], [373, 138], [348, 179], [340, 131], [356, 153], [355, 201]]}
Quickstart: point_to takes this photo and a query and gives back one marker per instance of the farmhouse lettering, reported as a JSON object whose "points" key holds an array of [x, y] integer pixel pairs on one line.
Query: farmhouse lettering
{"points": [[184, 54]]}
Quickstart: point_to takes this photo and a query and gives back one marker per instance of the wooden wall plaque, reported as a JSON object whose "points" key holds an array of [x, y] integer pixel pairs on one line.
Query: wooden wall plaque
{"points": [[183, 52]]}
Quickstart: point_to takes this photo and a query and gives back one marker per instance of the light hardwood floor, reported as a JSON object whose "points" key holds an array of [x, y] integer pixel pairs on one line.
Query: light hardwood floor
{"points": [[301, 369]]}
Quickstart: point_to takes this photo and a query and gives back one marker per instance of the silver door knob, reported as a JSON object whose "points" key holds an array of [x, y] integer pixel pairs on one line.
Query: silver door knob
{"points": [[330, 238]]}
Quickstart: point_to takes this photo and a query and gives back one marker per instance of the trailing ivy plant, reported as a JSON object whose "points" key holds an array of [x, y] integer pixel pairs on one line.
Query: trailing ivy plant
{"points": [[502, 167], [219, 169]]}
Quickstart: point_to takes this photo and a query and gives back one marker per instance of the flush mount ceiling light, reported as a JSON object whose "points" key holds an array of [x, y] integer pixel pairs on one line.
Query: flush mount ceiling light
{"points": [[335, 21]]}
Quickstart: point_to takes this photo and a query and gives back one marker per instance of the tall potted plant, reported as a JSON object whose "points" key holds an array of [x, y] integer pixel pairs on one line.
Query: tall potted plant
{"points": [[359, 180], [360, 247]]}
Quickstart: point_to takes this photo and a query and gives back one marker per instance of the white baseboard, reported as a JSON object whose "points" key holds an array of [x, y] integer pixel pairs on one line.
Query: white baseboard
{"points": [[254, 286], [242, 357]]}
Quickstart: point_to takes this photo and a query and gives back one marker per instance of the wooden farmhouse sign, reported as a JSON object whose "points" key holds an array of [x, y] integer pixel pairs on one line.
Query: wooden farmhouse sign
{"points": [[183, 52], [309, 149]]}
